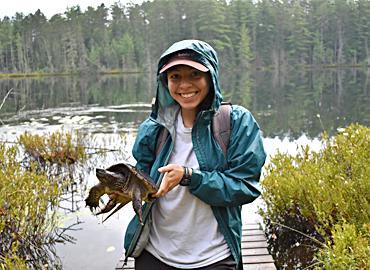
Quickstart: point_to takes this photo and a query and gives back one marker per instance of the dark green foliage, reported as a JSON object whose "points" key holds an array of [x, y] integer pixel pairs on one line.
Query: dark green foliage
{"points": [[30, 191], [325, 196], [130, 37], [26, 223]]}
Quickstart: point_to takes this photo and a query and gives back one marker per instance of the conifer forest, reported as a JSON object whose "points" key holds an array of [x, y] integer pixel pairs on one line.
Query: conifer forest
{"points": [[130, 37]]}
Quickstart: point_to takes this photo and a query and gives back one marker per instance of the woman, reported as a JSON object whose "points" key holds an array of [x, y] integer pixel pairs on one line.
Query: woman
{"points": [[195, 221]]}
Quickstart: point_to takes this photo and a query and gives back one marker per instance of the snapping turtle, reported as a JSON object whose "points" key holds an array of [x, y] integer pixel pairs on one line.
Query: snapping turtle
{"points": [[127, 183]]}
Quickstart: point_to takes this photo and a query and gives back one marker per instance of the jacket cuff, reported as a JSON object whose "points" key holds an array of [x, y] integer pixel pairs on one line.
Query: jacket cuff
{"points": [[196, 178]]}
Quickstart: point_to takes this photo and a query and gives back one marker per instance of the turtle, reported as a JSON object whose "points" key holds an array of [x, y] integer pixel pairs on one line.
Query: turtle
{"points": [[127, 183]]}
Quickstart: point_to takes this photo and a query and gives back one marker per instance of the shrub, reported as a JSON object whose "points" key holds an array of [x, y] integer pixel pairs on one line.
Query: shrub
{"points": [[58, 148], [349, 249], [324, 189], [26, 222]]}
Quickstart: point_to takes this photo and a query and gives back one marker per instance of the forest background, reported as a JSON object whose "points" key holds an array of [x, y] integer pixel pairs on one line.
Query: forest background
{"points": [[130, 37]]}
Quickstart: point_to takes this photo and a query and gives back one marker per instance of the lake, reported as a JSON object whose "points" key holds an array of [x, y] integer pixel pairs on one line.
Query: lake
{"points": [[293, 108]]}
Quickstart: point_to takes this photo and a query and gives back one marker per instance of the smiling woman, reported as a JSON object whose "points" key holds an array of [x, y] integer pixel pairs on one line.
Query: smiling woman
{"points": [[195, 221]]}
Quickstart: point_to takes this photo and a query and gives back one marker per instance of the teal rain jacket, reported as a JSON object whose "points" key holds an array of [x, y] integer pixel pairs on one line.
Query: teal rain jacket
{"points": [[225, 183]]}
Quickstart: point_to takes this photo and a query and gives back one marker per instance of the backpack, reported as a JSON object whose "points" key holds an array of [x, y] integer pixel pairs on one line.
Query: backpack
{"points": [[220, 129]]}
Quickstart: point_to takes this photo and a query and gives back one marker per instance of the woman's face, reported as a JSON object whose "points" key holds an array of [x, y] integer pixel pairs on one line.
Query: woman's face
{"points": [[188, 86]]}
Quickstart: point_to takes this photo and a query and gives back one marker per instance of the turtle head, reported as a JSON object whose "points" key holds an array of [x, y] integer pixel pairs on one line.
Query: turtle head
{"points": [[107, 177], [101, 173]]}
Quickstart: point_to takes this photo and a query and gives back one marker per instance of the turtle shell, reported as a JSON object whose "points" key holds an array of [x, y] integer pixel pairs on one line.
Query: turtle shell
{"points": [[127, 182], [141, 177]]}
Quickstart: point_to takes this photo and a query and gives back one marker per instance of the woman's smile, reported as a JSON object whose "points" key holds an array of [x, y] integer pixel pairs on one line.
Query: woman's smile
{"points": [[188, 95]]}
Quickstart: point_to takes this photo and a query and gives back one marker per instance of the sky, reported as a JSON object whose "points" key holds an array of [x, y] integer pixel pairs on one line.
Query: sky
{"points": [[50, 7]]}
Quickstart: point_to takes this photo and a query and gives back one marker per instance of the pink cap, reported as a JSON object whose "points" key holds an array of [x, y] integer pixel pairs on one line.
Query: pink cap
{"points": [[183, 59]]}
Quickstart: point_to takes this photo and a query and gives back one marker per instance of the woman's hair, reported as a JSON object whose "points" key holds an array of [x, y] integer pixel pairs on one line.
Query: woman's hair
{"points": [[207, 102]]}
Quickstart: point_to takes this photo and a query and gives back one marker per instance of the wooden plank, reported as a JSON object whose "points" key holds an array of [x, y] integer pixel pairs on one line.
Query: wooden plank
{"points": [[254, 251], [252, 232], [258, 259], [260, 244], [251, 226], [260, 266], [130, 264], [253, 238]]}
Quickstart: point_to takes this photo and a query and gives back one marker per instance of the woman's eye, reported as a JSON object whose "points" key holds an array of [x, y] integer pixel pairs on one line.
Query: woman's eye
{"points": [[195, 74], [174, 76]]}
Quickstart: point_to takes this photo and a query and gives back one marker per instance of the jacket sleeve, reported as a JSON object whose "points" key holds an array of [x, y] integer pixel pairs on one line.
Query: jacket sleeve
{"points": [[144, 146], [239, 183]]}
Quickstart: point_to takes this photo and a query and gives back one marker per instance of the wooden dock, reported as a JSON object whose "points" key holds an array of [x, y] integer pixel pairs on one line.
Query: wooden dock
{"points": [[254, 251]]}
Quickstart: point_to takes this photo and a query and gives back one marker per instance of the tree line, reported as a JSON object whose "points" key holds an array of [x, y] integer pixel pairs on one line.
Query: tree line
{"points": [[246, 33]]}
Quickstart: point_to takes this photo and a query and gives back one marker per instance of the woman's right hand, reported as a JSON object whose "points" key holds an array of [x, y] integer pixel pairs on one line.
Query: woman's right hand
{"points": [[173, 174]]}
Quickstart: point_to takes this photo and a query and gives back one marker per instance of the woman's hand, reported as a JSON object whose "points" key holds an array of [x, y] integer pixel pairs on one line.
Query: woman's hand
{"points": [[173, 174]]}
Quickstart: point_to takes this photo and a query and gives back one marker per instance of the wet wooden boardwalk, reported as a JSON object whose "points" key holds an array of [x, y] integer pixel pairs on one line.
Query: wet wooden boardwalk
{"points": [[254, 251]]}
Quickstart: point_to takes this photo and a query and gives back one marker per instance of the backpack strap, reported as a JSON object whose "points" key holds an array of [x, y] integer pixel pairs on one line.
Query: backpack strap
{"points": [[221, 126], [163, 134]]}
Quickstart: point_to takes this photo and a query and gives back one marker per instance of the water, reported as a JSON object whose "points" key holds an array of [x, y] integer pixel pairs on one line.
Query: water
{"points": [[292, 110]]}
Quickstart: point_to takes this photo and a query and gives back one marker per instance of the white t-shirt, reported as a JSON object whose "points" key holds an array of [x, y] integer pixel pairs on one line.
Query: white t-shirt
{"points": [[184, 231]]}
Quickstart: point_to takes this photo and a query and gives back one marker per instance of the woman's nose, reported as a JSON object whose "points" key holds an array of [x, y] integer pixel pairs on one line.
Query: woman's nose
{"points": [[185, 83]]}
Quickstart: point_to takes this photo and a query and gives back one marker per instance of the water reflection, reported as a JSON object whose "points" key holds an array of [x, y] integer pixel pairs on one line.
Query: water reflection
{"points": [[285, 104]]}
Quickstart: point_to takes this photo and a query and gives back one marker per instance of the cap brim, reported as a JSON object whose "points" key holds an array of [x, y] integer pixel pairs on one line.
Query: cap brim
{"points": [[185, 62]]}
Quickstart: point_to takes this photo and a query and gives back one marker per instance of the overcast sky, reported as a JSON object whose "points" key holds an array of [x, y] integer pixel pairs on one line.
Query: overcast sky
{"points": [[50, 7]]}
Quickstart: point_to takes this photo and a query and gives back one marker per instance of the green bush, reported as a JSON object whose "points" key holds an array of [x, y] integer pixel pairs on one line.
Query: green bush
{"points": [[323, 189], [349, 249], [26, 219], [58, 147]]}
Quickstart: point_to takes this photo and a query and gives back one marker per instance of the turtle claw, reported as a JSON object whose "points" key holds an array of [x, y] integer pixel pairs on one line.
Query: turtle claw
{"points": [[139, 215], [141, 221]]}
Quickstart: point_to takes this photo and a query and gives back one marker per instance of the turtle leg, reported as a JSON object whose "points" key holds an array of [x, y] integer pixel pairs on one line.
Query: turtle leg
{"points": [[115, 210], [94, 195], [110, 205], [136, 203], [122, 201]]}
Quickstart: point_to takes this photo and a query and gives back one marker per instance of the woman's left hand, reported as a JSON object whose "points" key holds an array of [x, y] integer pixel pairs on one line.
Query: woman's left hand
{"points": [[173, 174]]}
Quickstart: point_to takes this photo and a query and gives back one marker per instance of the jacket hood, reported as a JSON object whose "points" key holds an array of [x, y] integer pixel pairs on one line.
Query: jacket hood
{"points": [[207, 57]]}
